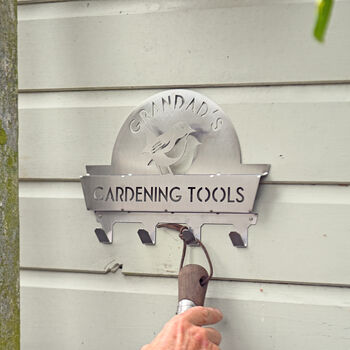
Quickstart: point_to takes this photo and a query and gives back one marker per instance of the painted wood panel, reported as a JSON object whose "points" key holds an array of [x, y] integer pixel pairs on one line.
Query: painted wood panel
{"points": [[301, 236], [57, 232], [302, 231], [303, 132], [31, 2], [113, 44], [81, 311]]}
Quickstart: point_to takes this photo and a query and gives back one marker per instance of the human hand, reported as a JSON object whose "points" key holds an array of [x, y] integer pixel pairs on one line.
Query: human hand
{"points": [[184, 331]]}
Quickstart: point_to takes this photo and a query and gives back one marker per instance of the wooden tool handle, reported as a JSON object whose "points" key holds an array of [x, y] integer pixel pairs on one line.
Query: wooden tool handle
{"points": [[190, 287]]}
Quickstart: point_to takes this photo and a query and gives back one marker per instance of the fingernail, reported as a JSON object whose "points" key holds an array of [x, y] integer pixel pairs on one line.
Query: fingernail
{"points": [[219, 312]]}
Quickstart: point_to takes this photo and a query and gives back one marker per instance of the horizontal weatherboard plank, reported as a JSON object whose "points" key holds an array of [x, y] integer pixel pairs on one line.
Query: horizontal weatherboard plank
{"points": [[301, 131], [60, 311], [85, 44], [300, 223]]}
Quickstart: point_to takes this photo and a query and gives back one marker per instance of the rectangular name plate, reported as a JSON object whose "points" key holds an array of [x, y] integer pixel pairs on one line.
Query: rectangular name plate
{"points": [[171, 193]]}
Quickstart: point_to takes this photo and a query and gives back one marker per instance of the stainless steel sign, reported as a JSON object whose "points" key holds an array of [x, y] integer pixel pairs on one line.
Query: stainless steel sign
{"points": [[180, 193], [176, 153]]}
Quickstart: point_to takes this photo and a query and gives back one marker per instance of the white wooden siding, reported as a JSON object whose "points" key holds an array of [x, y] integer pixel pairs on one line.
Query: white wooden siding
{"points": [[290, 288], [302, 139], [75, 311], [116, 44], [303, 224]]}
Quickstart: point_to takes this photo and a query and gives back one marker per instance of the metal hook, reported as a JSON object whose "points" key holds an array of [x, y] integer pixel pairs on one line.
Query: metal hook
{"points": [[102, 236], [237, 240], [145, 236]]}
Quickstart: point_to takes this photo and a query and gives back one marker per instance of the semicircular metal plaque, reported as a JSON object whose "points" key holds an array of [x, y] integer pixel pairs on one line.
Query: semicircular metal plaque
{"points": [[176, 158]]}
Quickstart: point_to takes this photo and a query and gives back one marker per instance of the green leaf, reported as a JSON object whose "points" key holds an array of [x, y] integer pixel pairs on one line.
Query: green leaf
{"points": [[324, 10]]}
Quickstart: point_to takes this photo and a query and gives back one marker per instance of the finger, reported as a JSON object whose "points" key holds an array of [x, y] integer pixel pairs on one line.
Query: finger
{"points": [[201, 316], [212, 346], [213, 335]]}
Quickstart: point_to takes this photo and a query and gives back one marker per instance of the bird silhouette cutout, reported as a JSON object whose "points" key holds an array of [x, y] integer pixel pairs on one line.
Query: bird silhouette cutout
{"points": [[170, 147]]}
